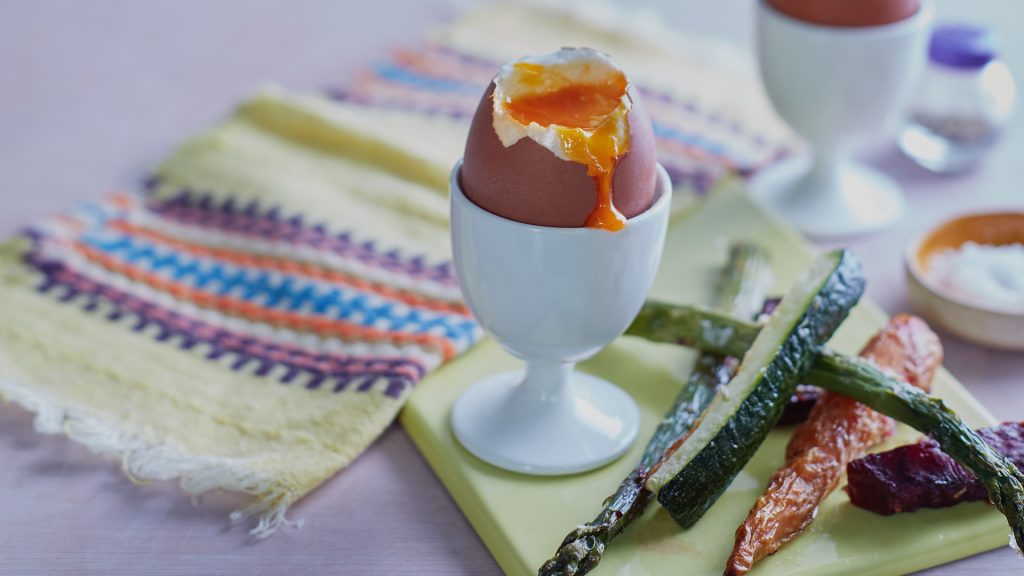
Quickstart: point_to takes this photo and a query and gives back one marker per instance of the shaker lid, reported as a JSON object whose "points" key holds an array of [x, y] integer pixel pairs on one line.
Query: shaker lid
{"points": [[962, 45]]}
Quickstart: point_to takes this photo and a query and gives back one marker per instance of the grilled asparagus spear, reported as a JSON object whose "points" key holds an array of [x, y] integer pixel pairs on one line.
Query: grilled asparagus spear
{"points": [[741, 291]]}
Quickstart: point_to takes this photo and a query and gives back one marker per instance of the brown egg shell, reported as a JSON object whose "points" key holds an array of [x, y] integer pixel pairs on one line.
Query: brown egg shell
{"points": [[527, 183], [847, 13]]}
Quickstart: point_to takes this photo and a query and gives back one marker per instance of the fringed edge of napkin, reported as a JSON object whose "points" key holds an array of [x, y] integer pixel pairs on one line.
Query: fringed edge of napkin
{"points": [[143, 461]]}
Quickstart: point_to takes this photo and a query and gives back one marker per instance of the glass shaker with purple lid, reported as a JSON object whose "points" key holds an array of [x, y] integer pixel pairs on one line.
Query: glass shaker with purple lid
{"points": [[964, 102]]}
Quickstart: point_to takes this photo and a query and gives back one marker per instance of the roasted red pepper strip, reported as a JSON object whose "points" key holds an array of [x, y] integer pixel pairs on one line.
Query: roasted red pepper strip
{"points": [[837, 431]]}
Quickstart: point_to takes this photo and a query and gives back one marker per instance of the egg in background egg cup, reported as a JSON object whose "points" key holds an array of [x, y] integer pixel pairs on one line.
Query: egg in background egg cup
{"points": [[551, 297]]}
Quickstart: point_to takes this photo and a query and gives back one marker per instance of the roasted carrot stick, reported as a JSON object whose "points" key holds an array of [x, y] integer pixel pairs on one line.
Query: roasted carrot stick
{"points": [[837, 431]]}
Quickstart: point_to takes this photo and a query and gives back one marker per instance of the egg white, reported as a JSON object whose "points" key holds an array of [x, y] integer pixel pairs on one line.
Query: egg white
{"points": [[568, 66]]}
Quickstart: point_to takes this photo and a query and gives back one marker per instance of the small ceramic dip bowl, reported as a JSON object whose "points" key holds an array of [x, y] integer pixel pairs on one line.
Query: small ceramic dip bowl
{"points": [[987, 323]]}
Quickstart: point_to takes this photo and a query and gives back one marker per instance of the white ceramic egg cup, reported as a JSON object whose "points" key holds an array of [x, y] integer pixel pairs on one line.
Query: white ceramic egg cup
{"points": [[834, 86], [552, 297]]}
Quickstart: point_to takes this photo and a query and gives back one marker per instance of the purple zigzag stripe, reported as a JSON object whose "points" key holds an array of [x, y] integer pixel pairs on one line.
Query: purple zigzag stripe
{"points": [[453, 111], [345, 371], [460, 55], [268, 224], [715, 118], [459, 110], [700, 181], [689, 105]]}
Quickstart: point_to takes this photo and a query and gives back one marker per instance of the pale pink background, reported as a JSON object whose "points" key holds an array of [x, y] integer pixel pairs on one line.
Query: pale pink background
{"points": [[92, 94]]}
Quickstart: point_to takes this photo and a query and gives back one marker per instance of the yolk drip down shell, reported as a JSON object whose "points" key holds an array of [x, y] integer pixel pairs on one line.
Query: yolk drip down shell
{"points": [[565, 143]]}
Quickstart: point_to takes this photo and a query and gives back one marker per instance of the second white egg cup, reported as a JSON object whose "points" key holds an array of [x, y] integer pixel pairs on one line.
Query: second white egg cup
{"points": [[836, 86], [552, 297]]}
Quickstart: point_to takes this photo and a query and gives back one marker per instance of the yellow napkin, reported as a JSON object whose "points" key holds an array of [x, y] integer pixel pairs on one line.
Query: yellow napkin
{"points": [[255, 316]]}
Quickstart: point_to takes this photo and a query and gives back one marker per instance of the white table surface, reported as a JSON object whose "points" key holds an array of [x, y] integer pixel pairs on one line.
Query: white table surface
{"points": [[93, 94]]}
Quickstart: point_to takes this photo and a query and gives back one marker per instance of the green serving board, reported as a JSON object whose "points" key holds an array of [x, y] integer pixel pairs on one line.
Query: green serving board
{"points": [[522, 519]]}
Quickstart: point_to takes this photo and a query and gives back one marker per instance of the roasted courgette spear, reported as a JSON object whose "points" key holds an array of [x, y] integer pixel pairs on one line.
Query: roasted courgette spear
{"points": [[745, 410]]}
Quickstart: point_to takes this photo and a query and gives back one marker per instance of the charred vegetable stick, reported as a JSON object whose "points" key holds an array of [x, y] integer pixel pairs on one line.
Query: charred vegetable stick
{"points": [[837, 431], [745, 410]]}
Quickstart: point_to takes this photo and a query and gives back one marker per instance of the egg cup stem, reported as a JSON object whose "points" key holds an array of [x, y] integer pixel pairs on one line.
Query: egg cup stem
{"points": [[832, 197], [547, 380]]}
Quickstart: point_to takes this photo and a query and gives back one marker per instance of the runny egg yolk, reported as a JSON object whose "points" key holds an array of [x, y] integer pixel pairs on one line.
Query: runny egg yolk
{"points": [[590, 120]]}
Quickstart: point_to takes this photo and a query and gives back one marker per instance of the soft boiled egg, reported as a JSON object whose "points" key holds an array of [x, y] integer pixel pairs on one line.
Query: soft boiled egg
{"points": [[561, 140]]}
